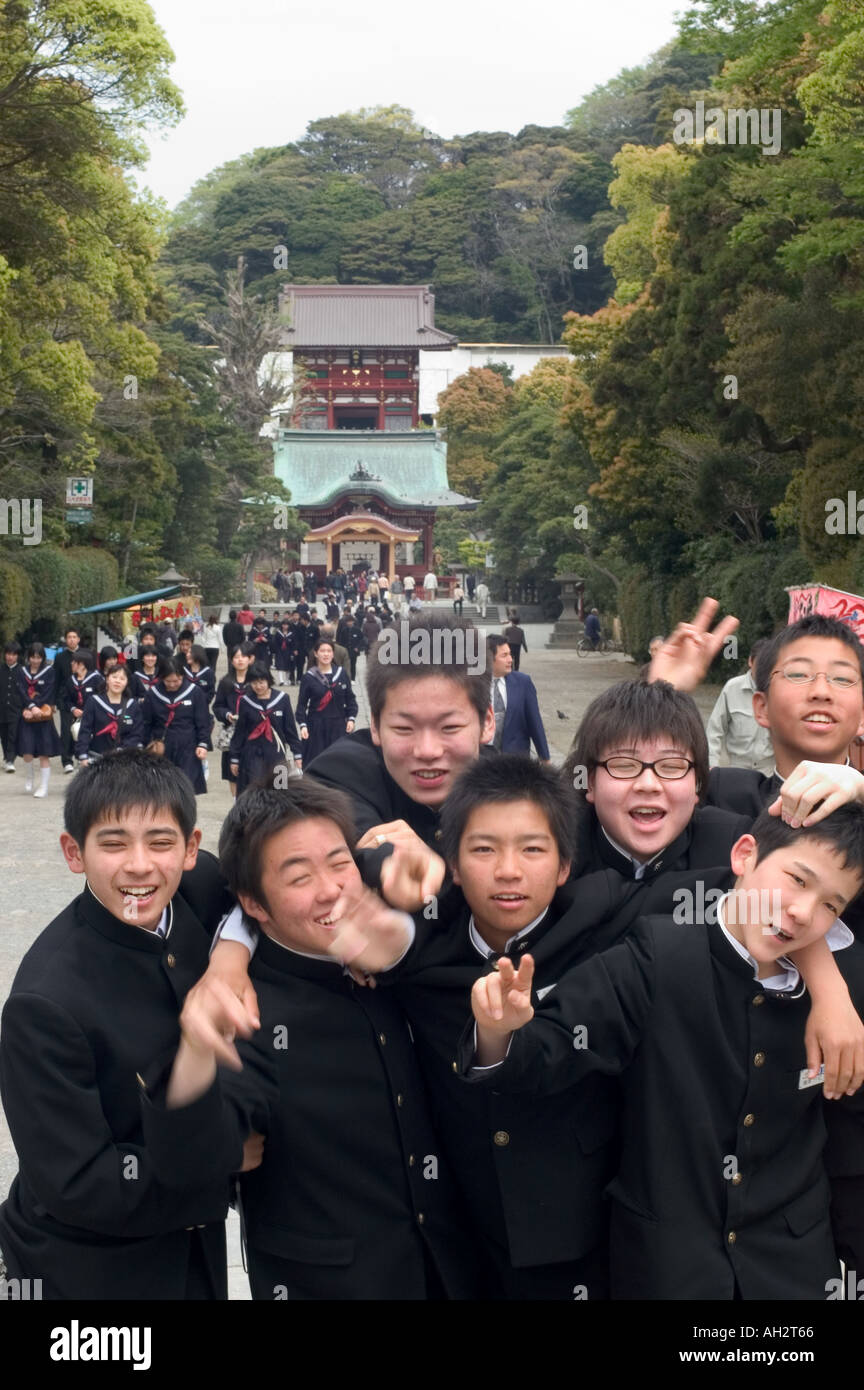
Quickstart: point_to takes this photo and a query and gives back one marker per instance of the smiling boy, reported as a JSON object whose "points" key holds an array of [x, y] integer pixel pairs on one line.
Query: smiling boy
{"points": [[95, 996], [721, 1191]]}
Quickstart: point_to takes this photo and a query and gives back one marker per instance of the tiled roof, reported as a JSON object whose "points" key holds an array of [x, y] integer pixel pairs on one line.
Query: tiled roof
{"points": [[335, 316], [407, 468]]}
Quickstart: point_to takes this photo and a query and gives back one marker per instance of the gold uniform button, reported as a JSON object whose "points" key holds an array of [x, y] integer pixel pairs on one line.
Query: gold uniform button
{"points": [[732, 1237], [759, 1059], [758, 998], [141, 1082], [749, 1120], [170, 961], [420, 1218], [411, 1160], [399, 1098], [437, 834], [502, 1138], [382, 1038], [738, 1178], [455, 1066]]}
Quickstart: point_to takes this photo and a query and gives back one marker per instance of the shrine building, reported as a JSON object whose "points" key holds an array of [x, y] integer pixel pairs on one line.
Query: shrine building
{"points": [[366, 470]]}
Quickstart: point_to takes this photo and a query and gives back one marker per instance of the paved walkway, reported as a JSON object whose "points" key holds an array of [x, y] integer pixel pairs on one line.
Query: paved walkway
{"points": [[35, 883]]}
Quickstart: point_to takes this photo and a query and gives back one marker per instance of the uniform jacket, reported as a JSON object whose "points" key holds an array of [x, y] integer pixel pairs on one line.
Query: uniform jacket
{"points": [[10, 695], [106, 726], [344, 1205], [93, 1000], [75, 694], [722, 1177], [532, 1168], [264, 734]]}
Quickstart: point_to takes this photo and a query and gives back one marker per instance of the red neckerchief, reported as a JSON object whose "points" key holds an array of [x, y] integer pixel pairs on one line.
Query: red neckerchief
{"points": [[112, 726], [32, 683], [328, 693]]}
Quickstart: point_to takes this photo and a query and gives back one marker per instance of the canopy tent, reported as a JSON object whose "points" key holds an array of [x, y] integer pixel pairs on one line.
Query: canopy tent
{"points": [[131, 601]]}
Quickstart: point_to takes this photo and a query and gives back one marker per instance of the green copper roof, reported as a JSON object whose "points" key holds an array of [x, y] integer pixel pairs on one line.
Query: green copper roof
{"points": [[406, 468]]}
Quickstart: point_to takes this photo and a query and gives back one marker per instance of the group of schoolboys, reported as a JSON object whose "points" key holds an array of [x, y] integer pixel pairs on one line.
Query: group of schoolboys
{"points": [[633, 1109]]}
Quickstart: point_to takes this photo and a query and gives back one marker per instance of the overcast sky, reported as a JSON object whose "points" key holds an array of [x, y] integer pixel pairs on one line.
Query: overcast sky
{"points": [[255, 73]]}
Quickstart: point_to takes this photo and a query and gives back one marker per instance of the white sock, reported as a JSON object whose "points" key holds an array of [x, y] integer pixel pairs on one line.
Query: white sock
{"points": [[28, 785], [44, 774]]}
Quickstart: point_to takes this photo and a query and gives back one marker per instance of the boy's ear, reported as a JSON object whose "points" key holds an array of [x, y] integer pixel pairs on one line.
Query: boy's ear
{"points": [[743, 855], [760, 709], [72, 853], [373, 729], [193, 844], [487, 731], [563, 872], [252, 907]]}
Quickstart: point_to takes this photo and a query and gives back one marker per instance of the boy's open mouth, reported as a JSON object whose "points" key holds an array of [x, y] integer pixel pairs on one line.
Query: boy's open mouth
{"points": [[647, 815], [142, 896], [819, 717]]}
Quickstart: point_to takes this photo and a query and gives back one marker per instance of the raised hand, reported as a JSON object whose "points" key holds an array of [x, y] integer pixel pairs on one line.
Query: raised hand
{"points": [[368, 934], [685, 656], [411, 875], [501, 1001], [813, 790]]}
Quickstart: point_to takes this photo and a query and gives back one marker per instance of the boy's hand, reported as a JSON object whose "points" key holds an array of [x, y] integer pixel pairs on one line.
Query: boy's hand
{"points": [[304, 733], [211, 1018], [685, 656], [832, 784], [501, 1001], [396, 832], [368, 935], [229, 964], [201, 753], [835, 1037], [410, 876]]}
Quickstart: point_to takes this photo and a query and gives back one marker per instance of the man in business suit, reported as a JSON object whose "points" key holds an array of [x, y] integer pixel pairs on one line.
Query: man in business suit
{"points": [[514, 701]]}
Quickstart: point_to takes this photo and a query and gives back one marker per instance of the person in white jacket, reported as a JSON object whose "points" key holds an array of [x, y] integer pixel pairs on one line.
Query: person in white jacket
{"points": [[732, 729], [430, 586], [481, 594]]}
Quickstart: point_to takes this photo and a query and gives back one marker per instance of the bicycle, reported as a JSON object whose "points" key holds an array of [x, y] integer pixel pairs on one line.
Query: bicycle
{"points": [[585, 647]]}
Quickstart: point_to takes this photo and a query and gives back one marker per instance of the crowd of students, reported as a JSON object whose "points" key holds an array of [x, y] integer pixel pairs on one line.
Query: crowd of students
{"points": [[456, 1038]]}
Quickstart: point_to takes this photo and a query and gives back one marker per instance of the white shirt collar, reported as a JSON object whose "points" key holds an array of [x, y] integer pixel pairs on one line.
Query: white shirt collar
{"points": [[486, 950], [639, 865], [787, 978], [162, 927]]}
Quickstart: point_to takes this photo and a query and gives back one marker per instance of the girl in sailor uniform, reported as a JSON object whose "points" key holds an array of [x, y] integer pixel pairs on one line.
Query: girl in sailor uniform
{"points": [[264, 732], [110, 720], [84, 682], [199, 671], [151, 667], [177, 723], [37, 736], [326, 705], [229, 693], [282, 651]]}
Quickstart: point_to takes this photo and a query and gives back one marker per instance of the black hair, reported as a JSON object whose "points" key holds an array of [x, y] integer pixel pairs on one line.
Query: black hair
{"points": [[107, 654], [632, 710], [232, 615], [187, 635], [36, 649], [72, 628], [494, 641], [128, 780], [756, 647], [510, 777], [842, 831], [261, 812], [176, 666], [814, 625], [383, 675], [13, 646], [85, 657], [197, 653], [259, 671], [147, 630], [150, 651], [246, 649]]}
